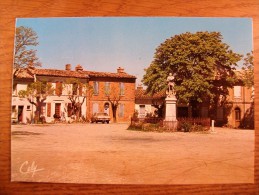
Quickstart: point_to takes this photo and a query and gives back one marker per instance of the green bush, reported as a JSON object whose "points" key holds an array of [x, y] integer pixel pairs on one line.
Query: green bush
{"points": [[185, 126]]}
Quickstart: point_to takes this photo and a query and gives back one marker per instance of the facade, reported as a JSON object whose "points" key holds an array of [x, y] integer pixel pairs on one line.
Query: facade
{"points": [[241, 102], [59, 103], [112, 88]]}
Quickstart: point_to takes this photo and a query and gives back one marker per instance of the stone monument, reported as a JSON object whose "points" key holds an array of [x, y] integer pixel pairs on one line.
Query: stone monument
{"points": [[170, 100]]}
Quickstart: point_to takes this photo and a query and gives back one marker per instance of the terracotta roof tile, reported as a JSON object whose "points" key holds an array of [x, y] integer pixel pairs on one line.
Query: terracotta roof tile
{"points": [[61, 73], [142, 94], [22, 74], [28, 73], [108, 74]]}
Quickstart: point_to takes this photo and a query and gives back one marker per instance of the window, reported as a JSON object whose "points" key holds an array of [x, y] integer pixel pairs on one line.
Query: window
{"points": [[122, 89], [58, 88], [107, 88], [237, 114], [237, 91], [96, 88], [95, 108], [28, 107], [121, 110]]}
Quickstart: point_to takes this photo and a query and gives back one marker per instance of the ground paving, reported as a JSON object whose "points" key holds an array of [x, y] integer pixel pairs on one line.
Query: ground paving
{"points": [[110, 154]]}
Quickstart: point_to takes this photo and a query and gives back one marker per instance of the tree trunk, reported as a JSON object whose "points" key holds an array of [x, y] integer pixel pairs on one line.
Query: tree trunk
{"points": [[114, 109]]}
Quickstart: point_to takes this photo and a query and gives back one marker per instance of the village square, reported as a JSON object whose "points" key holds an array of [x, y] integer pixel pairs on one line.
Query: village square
{"points": [[189, 121]]}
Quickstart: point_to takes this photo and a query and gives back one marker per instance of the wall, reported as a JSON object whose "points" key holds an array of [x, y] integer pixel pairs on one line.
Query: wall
{"points": [[128, 99]]}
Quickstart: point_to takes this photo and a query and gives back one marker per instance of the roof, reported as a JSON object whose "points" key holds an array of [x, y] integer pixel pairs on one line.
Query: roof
{"points": [[29, 72], [109, 74], [23, 73], [140, 93], [61, 73]]}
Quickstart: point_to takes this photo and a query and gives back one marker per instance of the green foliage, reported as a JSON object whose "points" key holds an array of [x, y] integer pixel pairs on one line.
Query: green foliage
{"points": [[185, 126], [36, 93], [248, 70], [37, 89], [77, 90], [201, 63], [25, 39]]}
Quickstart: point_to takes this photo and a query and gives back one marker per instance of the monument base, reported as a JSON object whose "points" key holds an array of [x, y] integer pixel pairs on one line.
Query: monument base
{"points": [[170, 105]]}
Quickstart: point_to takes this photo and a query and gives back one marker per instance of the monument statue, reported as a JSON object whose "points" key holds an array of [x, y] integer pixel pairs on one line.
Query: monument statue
{"points": [[170, 83], [170, 104]]}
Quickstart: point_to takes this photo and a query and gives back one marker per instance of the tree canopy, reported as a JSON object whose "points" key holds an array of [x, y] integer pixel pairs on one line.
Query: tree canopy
{"points": [[25, 56], [77, 91], [202, 64], [36, 93], [248, 70]]}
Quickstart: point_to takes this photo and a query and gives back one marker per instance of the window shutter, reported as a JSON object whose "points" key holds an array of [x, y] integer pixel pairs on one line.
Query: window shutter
{"points": [[58, 88], [80, 90], [48, 109], [121, 110], [96, 88], [122, 89]]}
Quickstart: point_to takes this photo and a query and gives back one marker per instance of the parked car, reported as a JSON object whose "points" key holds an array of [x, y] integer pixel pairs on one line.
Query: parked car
{"points": [[100, 117]]}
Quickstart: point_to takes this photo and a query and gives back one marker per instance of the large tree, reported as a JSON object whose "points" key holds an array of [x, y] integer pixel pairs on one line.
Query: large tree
{"points": [[203, 66], [36, 93], [25, 56]]}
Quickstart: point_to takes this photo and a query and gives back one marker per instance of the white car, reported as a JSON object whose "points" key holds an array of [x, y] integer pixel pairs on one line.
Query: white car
{"points": [[100, 117]]}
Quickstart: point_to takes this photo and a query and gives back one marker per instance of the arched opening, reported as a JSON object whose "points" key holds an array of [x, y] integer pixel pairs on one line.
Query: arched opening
{"points": [[237, 117], [107, 108]]}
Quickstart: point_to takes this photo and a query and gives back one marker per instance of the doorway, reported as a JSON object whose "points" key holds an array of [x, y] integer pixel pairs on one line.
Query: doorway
{"points": [[20, 114], [57, 110], [107, 108]]}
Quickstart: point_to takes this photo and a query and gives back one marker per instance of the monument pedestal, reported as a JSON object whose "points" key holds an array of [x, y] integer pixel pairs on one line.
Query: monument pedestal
{"points": [[170, 121], [170, 106]]}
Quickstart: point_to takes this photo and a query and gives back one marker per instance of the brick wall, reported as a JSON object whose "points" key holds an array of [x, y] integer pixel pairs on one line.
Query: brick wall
{"points": [[126, 99]]}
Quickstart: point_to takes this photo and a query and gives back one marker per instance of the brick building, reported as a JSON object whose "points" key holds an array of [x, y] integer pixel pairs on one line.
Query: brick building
{"points": [[111, 87], [120, 85]]}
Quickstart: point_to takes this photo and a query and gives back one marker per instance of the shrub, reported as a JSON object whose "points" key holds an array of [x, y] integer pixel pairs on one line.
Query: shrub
{"points": [[185, 126]]}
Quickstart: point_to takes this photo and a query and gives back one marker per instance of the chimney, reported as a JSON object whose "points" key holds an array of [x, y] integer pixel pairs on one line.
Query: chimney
{"points": [[139, 87], [79, 68], [68, 66], [120, 70]]}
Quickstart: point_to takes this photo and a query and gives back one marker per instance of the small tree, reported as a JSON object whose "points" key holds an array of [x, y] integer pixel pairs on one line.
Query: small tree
{"points": [[114, 95], [25, 56], [36, 93], [77, 91]]}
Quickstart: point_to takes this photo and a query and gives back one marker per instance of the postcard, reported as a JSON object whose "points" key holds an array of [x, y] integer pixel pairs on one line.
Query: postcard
{"points": [[133, 100]]}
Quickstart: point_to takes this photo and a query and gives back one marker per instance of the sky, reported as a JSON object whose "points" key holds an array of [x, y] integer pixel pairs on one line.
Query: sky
{"points": [[106, 43]]}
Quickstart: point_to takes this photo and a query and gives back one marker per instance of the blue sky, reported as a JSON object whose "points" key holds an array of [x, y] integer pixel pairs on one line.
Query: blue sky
{"points": [[104, 43]]}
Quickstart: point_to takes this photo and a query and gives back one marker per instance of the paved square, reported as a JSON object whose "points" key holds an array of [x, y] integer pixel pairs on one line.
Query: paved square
{"points": [[110, 154]]}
